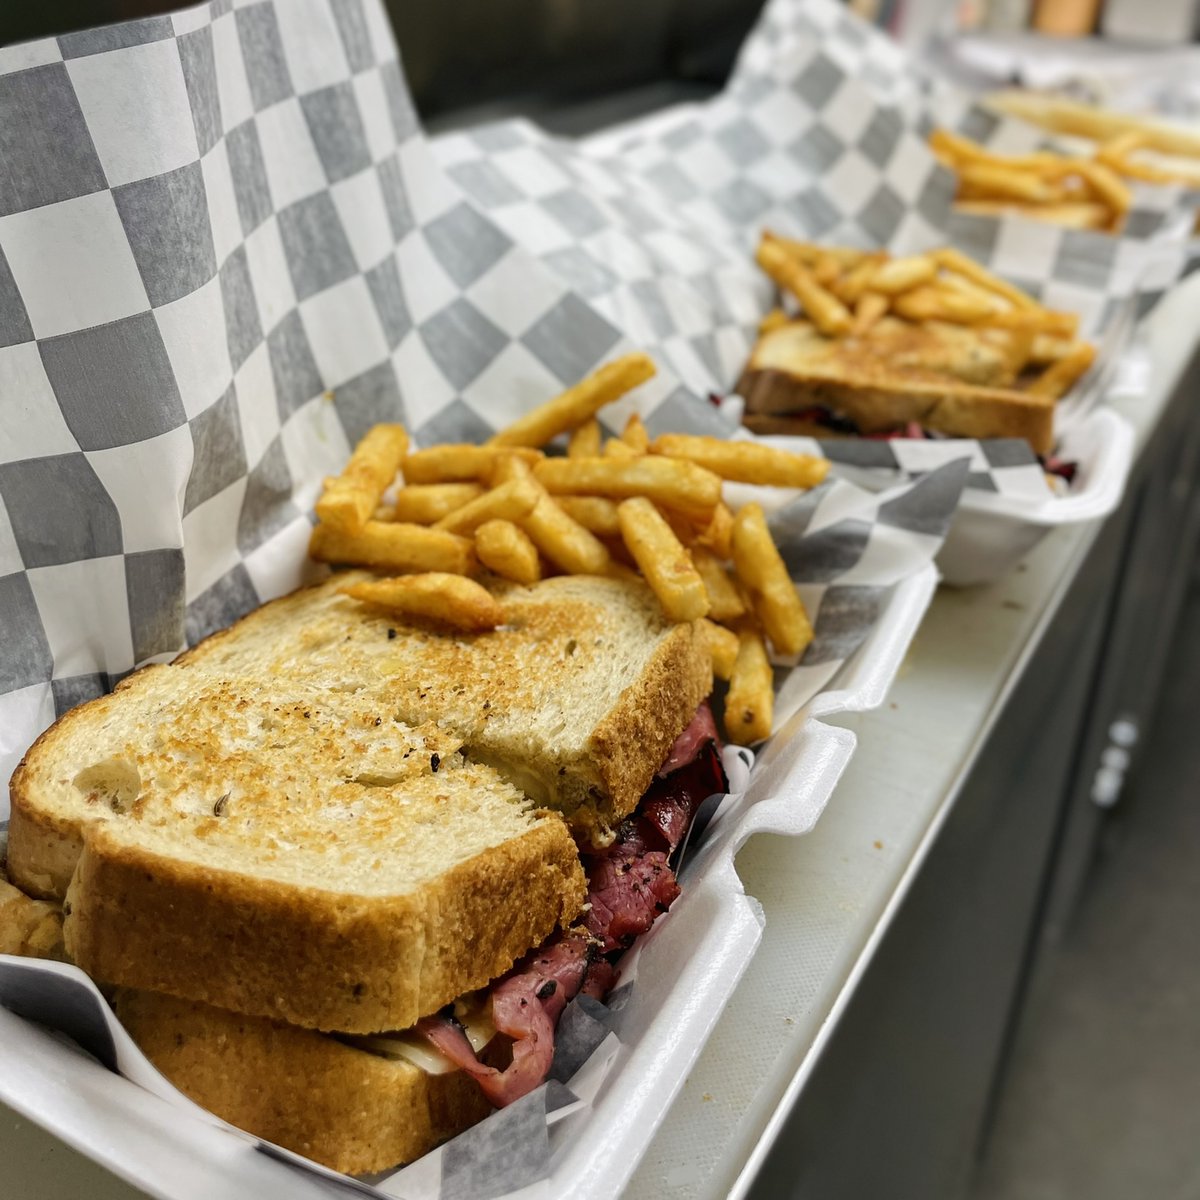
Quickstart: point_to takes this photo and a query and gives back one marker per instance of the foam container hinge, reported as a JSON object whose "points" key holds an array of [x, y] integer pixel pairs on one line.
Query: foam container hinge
{"points": [[687, 969]]}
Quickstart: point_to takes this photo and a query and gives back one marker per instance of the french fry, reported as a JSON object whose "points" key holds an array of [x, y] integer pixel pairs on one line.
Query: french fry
{"points": [[722, 646], [509, 467], [724, 601], [750, 701], [1061, 376], [1106, 186], [826, 269], [508, 502], [462, 461], [938, 304], [448, 599], [1084, 215], [761, 569], [615, 448], [662, 560], [812, 254], [823, 308], [1041, 320], [1098, 124], [955, 260], [564, 541], [870, 308], [394, 546], [634, 434], [744, 462], [506, 549], [852, 285], [584, 440], [1048, 348], [350, 498], [597, 513], [683, 486], [901, 274], [773, 320], [980, 180], [717, 535], [424, 503], [577, 404], [987, 301]]}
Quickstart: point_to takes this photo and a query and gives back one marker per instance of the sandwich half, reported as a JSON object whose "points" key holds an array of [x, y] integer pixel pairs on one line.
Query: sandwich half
{"points": [[324, 825], [956, 380]]}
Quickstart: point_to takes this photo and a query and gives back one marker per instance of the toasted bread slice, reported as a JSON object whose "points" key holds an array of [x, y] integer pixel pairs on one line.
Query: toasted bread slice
{"points": [[361, 1112], [576, 699], [354, 1111], [948, 379], [287, 852]]}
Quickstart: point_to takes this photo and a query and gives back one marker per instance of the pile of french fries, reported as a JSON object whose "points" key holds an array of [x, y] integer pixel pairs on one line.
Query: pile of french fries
{"points": [[845, 293], [430, 519]]}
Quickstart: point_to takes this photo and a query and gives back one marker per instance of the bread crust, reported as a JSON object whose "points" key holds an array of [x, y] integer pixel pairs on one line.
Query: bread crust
{"points": [[633, 740], [317, 959], [952, 408], [350, 1110]]}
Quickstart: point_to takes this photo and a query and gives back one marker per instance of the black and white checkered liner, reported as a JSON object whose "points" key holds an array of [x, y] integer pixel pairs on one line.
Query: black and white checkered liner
{"points": [[821, 133]]}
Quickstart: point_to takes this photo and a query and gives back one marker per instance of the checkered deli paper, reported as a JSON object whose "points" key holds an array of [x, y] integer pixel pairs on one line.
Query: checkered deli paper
{"points": [[226, 251]]}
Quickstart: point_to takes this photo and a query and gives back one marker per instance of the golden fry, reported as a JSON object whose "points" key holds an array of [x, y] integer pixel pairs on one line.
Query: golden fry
{"points": [[1042, 320], [506, 549], [584, 440], [577, 404], [722, 646], [938, 304], [761, 569], [823, 308], [394, 546], [750, 701], [1072, 216], [350, 498], [871, 307], [717, 534], [508, 502], [1048, 348], [509, 467], [1060, 377], [900, 274], [680, 485], [955, 260], [773, 320], [564, 541], [615, 448], [597, 513], [634, 434], [744, 462], [954, 282], [449, 599], [424, 503], [981, 180], [826, 269], [662, 560], [1106, 186], [724, 601], [811, 254], [460, 461], [856, 281]]}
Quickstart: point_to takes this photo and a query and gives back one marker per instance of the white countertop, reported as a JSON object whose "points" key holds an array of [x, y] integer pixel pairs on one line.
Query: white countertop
{"points": [[827, 896]]}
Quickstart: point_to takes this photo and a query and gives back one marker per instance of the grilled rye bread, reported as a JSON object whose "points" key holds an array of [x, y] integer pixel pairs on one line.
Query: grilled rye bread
{"points": [[954, 380], [274, 824]]}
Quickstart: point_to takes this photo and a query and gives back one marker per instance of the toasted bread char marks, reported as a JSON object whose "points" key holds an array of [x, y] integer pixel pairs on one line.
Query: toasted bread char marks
{"points": [[356, 1112], [545, 699], [884, 383]]}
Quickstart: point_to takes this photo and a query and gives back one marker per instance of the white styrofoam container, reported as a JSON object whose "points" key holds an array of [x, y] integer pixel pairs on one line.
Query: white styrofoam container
{"points": [[990, 533], [688, 968]]}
